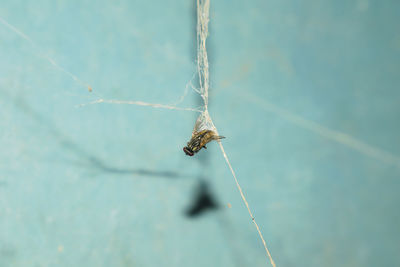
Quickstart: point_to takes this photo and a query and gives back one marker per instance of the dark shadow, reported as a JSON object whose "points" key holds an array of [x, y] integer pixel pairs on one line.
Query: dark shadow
{"points": [[202, 202], [89, 160], [93, 162]]}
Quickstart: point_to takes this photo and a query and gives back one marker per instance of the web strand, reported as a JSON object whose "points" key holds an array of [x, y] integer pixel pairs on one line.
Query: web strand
{"points": [[333, 135], [203, 7], [247, 204], [45, 57], [138, 103]]}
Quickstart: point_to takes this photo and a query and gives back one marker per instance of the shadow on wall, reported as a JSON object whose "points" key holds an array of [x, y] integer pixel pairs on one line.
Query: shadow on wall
{"points": [[89, 160], [203, 201]]}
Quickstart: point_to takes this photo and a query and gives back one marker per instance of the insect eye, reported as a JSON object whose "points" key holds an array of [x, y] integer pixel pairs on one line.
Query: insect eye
{"points": [[188, 151]]}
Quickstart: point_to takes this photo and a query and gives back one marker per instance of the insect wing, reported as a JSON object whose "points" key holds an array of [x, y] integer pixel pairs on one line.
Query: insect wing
{"points": [[196, 128]]}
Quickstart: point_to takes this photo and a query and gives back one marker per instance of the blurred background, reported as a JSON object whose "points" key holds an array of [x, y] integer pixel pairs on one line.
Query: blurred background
{"points": [[306, 92]]}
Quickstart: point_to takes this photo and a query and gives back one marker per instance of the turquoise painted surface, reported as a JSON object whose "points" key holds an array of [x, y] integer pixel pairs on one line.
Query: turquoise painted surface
{"points": [[305, 92]]}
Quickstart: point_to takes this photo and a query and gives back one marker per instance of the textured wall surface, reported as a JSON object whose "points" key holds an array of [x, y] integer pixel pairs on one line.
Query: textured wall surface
{"points": [[306, 92]]}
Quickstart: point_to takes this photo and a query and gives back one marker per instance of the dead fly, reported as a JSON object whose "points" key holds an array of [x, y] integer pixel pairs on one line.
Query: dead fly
{"points": [[199, 140]]}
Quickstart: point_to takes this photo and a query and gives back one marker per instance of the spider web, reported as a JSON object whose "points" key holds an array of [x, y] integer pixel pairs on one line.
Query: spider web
{"points": [[204, 120]]}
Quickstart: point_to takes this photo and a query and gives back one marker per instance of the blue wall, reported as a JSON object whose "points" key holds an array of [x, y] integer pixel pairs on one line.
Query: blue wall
{"points": [[306, 92]]}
